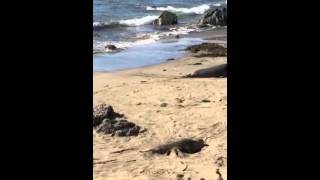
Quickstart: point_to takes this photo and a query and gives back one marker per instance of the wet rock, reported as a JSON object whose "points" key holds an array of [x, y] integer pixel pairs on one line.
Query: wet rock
{"points": [[166, 18], [111, 47], [170, 59], [211, 49], [216, 17]]}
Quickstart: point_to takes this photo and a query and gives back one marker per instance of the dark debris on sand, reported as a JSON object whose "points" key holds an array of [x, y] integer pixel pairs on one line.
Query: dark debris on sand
{"points": [[106, 121]]}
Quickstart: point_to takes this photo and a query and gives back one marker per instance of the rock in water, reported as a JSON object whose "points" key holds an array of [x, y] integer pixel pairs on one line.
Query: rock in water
{"points": [[166, 18], [216, 17], [111, 47], [103, 111]]}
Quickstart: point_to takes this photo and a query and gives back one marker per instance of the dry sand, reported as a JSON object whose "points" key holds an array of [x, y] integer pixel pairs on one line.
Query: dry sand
{"points": [[138, 93]]}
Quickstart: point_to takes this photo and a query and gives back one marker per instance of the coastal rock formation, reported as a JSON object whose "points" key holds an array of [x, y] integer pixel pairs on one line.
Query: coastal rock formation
{"points": [[216, 71], [210, 49], [111, 47], [216, 17], [166, 18], [106, 121]]}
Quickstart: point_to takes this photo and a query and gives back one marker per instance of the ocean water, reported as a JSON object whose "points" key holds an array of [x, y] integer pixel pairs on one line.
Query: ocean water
{"points": [[126, 24]]}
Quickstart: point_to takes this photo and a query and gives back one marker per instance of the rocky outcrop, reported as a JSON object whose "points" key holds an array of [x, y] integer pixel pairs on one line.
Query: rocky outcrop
{"points": [[216, 17], [166, 18], [208, 50], [106, 121]]}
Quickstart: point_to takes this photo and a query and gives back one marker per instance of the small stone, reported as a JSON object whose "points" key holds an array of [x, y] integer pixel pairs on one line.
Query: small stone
{"points": [[206, 100], [139, 103], [163, 105], [164, 70]]}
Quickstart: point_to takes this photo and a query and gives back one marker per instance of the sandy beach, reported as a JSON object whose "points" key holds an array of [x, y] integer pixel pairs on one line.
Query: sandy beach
{"points": [[169, 108]]}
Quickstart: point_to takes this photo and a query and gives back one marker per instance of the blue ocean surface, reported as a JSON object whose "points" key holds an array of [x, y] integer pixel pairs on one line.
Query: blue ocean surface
{"points": [[123, 22]]}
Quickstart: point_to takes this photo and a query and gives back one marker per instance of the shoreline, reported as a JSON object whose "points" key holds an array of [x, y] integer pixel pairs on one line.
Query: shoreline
{"points": [[217, 35]]}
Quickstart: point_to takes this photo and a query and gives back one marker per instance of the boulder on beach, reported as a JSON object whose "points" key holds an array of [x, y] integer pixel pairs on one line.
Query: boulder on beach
{"points": [[106, 121], [103, 111], [119, 127], [216, 71], [216, 17], [166, 18]]}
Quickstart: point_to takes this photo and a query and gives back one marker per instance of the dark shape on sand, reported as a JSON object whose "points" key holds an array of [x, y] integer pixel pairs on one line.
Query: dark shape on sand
{"points": [[205, 100], [219, 174], [197, 64], [103, 111], [111, 47], [211, 49], [120, 127], [180, 176], [170, 59], [106, 121], [180, 147], [166, 18], [164, 105], [216, 17], [216, 71]]}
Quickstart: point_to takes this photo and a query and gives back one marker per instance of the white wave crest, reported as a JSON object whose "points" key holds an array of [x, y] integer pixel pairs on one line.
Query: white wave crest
{"points": [[196, 10], [138, 21]]}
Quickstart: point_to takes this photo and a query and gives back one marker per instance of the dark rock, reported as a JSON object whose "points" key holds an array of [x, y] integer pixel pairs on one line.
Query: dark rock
{"points": [[216, 71], [177, 36], [214, 17], [170, 59], [120, 127], [103, 111], [164, 70], [211, 49], [197, 64], [163, 105], [166, 18], [111, 47], [180, 176], [206, 100], [106, 121]]}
